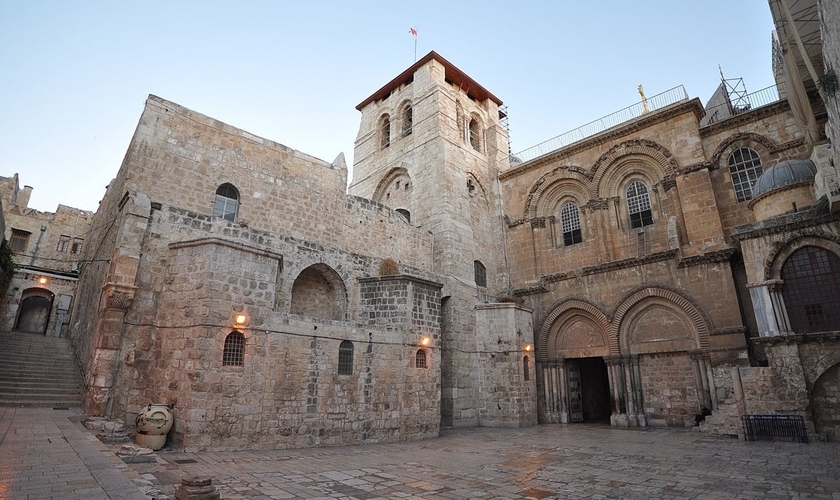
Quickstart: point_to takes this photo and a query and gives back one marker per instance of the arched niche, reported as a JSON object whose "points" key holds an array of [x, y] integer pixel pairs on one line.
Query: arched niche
{"points": [[319, 292]]}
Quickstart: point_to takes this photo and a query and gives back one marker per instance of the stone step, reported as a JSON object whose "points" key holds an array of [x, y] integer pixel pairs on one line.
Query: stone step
{"points": [[36, 370]]}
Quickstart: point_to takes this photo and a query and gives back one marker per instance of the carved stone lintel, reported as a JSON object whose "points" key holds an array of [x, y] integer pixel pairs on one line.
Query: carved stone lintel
{"points": [[538, 222]]}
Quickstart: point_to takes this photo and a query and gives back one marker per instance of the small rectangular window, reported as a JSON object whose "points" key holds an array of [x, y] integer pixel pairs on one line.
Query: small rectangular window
{"points": [[63, 243], [19, 240], [77, 245], [480, 274]]}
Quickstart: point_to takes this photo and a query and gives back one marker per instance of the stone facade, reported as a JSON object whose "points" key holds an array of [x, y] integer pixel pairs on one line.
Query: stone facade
{"points": [[48, 251], [625, 278]]}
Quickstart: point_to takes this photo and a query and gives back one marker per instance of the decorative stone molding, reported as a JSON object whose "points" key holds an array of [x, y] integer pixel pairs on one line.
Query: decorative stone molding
{"points": [[586, 308], [728, 330], [747, 117], [688, 306], [743, 137], [538, 223], [707, 258], [116, 296]]}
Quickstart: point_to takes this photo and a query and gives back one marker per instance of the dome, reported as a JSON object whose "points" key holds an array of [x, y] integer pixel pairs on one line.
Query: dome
{"points": [[782, 174]]}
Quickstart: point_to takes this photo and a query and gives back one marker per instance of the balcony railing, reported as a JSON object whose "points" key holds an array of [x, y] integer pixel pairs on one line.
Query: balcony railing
{"points": [[658, 101], [742, 104]]}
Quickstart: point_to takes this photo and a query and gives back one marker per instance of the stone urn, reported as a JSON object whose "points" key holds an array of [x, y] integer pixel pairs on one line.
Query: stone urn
{"points": [[152, 425]]}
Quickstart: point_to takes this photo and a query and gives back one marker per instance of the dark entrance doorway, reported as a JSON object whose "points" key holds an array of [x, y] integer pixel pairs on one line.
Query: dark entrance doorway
{"points": [[34, 311], [589, 390]]}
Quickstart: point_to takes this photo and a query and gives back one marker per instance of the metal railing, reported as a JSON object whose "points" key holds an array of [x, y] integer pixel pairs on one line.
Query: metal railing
{"points": [[742, 104], [658, 101], [773, 426]]}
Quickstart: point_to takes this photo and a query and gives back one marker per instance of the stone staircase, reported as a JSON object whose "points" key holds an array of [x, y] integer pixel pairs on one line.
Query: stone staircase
{"points": [[36, 370]]}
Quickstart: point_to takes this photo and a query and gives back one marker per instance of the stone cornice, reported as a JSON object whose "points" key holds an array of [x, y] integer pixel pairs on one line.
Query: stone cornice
{"points": [[401, 277], [226, 243], [783, 224], [799, 338], [644, 121], [707, 258]]}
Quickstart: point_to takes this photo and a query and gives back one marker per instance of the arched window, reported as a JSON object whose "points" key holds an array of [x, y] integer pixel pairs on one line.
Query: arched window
{"points": [[744, 168], [405, 213], [475, 134], [570, 217], [345, 358], [385, 132], [227, 202], [407, 121], [526, 371], [234, 352], [638, 204], [480, 273], [812, 290], [420, 359]]}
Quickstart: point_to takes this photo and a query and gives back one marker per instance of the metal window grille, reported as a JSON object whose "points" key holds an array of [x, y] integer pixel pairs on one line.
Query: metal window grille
{"points": [[638, 204], [744, 168], [570, 218], [63, 241], [407, 120], [812, 290], [420, 359], [234, 352], [345, 358], [480, 274], [19, 240], [385, 128], [227, 202]]}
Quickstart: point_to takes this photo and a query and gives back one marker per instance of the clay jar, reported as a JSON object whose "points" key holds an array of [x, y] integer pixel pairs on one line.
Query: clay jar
{"points": [[152, 425]]}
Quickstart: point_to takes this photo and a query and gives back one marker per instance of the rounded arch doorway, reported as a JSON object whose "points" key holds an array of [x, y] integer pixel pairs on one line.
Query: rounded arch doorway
{"points": [[34, 311]]}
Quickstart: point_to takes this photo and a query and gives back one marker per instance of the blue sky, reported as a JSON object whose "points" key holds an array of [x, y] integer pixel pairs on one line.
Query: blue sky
{"points": [[76, 74]]}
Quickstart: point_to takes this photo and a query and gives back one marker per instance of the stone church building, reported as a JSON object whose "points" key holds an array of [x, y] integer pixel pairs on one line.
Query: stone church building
{"points": [[686, 257]]}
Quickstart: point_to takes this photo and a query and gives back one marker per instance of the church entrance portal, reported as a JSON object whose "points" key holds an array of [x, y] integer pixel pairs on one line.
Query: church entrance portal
{"points": [[589, 390]]}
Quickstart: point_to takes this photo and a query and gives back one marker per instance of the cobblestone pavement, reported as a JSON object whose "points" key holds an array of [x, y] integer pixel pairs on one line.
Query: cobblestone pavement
{"points": [[543, 462], [48, 454]]}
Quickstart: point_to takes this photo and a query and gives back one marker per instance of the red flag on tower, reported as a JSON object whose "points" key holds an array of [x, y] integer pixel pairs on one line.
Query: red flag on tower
{"points": [[413, 32]]}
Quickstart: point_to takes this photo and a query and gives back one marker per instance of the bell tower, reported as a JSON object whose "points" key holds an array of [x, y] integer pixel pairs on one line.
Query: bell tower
{"points": [[430, 146]]}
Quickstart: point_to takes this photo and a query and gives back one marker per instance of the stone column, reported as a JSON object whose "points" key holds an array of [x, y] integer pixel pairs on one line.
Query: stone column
{"points": [[615, 372], [555, 392], [629, 365], [639, 393], [710, 377], [700, 381], [769, 307]]}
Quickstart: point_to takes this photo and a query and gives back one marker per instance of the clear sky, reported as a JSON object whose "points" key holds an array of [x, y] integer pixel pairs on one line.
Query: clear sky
{"points": [[75, 74]]}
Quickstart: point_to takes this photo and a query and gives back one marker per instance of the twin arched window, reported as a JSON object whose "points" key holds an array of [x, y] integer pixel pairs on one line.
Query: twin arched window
{"points": [[226, 204], [385, 132], [407, 121], [638, 205], [744, 168], [474, 132]]}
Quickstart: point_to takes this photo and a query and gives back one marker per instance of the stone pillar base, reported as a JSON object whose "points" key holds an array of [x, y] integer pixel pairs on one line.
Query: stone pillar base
{"points": [[197, 488]]}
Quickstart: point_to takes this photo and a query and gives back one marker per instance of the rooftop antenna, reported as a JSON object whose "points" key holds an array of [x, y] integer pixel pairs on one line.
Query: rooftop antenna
{"points": [[413, 32]]}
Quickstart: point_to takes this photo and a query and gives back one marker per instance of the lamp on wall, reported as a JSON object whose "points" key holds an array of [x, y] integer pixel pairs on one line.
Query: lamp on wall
{"points": [[42, 280], [425, 341], [529, 347], [240, 319]]}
